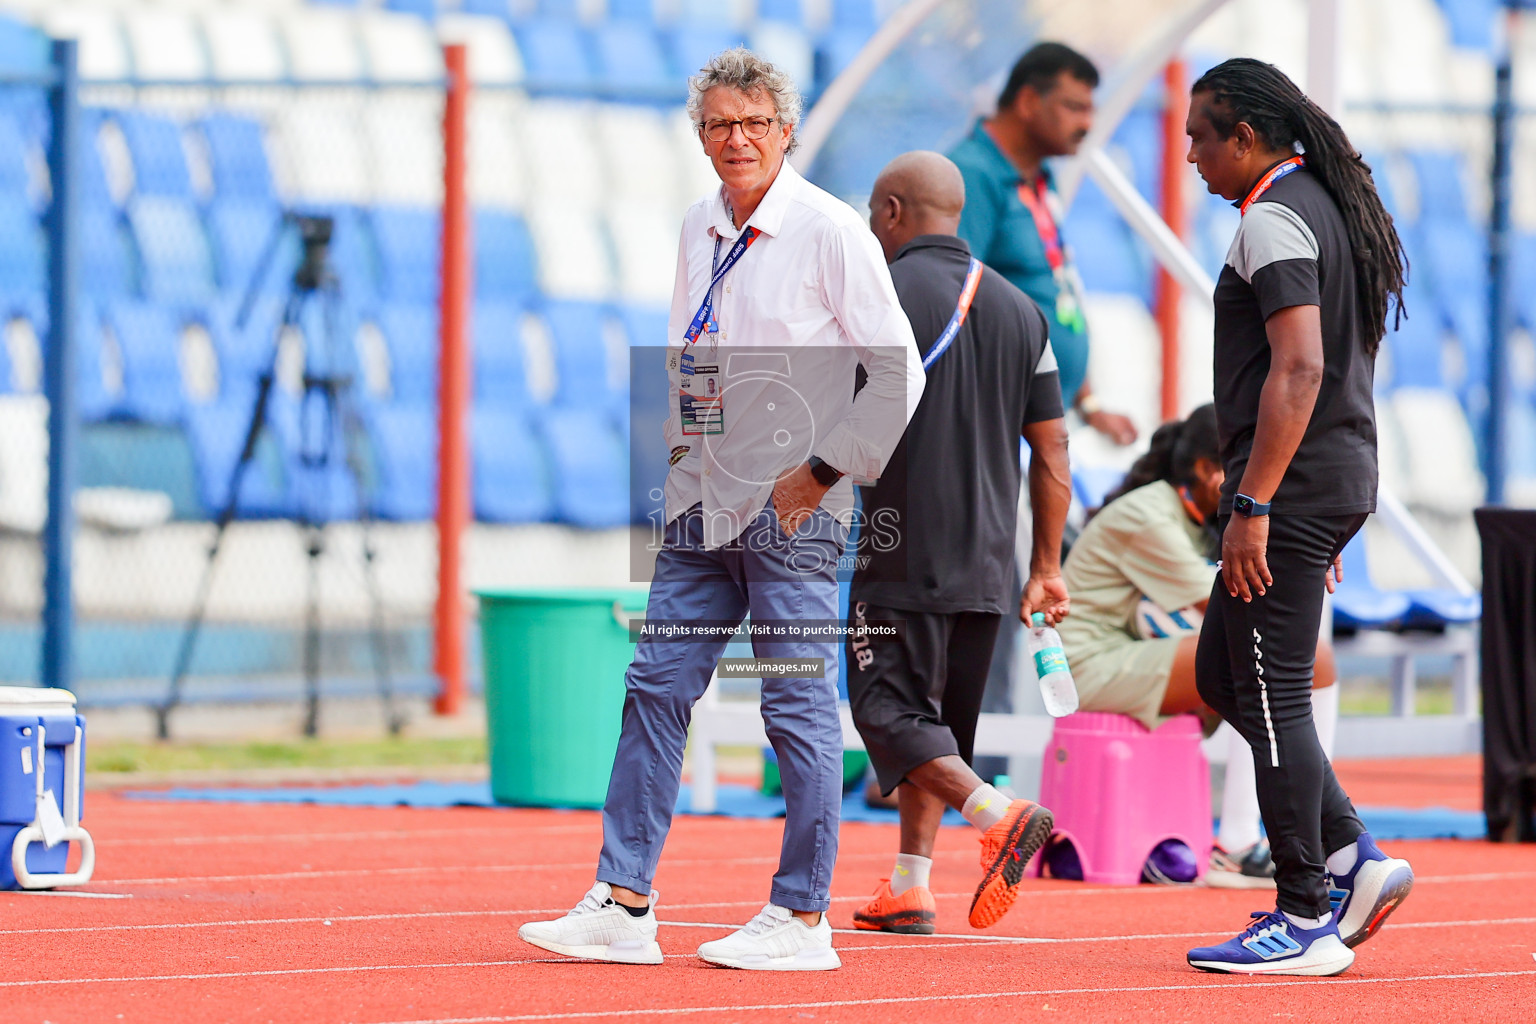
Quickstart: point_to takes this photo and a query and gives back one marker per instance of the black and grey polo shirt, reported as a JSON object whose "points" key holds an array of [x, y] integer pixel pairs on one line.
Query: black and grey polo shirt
{"points": [[1292, 249]]}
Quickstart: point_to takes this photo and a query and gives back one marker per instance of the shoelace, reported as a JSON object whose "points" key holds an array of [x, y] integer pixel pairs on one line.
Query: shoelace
{"points": [[1264, 919], [765, 921], [589, 904]]}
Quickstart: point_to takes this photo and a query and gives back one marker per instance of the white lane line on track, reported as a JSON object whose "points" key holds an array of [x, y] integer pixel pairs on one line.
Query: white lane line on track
{"points": [[1066, 889], [1210, 985], [510, 831]]}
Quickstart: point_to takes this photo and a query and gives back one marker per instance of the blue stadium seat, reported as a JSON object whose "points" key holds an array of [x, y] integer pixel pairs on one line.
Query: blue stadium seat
{"points": [[15, 177], [321, 483], [23, 49], [1091, 484], [105, 254], [1110, 258], [425, 9], [244, 352], [411, 332], [1524, 257], [405, 441], [643, 11], [557, 57], [489, 8], [237, 156], [159, 161], [631, 62], [23, 251], [691, 46], [1471, 22], [647, 410], [588, 467], [646, 327], [149, 344], [1141, 136], [94, 402], [718, 13], [1358, 604], [1416, 346], [789, 11], [217, 434], [836, 51], [560, 10], [581, 354], [174, 264], [1440, 185], [496, 343], [506, 265], [408, 242], [329, 330], [1456, 257], [855, 14], [238, 233], [510, 471], [94, 189], [1436, 609], [1377, 162]]}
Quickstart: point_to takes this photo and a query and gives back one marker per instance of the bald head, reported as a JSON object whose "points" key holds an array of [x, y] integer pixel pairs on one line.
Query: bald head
{"points": [[918, 193]]}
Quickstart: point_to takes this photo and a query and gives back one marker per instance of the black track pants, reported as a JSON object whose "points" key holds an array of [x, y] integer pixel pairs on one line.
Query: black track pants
{"points": [[1254, 666]]}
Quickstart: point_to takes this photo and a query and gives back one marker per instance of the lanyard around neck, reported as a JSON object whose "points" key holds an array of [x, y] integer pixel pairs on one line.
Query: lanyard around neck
{"points": [[1033, 198], [1271, 176], [706, 314], [967, 293]]}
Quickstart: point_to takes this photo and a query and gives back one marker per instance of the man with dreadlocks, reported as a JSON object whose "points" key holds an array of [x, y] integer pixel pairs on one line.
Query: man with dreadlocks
{"points": [[1301, 306]]}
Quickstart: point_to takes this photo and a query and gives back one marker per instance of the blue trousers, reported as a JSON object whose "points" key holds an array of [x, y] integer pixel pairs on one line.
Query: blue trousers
{"points": [[777, 579]]}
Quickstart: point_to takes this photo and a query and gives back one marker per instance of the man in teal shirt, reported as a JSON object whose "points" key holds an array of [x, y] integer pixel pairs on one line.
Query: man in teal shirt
{"points": [[1012, 215]]}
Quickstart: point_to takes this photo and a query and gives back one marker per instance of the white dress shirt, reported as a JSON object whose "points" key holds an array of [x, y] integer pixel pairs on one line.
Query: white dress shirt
{"points": [[808, 302]]}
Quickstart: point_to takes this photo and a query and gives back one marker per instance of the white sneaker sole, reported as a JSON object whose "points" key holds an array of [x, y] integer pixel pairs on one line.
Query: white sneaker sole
{"points": [[1323, 960], [1379, 887], [1236, 880], [636, 952], [805, 960]]}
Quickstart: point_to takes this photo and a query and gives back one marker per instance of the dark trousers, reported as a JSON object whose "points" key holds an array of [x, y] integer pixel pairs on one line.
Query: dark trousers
{"points": [[918, 697], [1254, 666]]}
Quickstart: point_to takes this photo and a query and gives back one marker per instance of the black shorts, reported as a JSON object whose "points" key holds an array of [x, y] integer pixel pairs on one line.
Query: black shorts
{"points": [[918, 697]]}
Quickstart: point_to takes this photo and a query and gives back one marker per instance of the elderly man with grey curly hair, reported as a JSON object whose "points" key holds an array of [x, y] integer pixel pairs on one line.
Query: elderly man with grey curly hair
{"points": [[782, 294]]}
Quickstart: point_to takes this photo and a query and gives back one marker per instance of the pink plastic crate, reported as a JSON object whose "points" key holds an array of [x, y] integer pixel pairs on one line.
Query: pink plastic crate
{"points": [[1117, 789]]}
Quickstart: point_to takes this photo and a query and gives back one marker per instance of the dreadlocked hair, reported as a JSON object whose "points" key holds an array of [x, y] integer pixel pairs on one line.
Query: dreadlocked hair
{"points": [[1171, 456], [1248, 90]]}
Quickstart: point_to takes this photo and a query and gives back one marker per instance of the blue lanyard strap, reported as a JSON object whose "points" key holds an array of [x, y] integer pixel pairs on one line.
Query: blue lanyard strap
{"points": [[706, 313], [962, 308]]}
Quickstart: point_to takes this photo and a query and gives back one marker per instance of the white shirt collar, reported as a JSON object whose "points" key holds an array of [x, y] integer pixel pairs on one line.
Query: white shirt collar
{"points": [[768, 218]]}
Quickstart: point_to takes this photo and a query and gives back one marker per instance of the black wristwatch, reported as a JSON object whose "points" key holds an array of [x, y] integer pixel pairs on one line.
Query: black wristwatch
{"points": [[1246, 507], [824, 474]]}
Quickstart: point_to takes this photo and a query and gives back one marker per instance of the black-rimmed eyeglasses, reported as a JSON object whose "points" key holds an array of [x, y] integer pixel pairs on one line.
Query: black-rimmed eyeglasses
{"points": [[751, 127]]}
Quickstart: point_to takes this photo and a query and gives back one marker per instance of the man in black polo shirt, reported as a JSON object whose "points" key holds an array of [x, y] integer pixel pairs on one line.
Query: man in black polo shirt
{"points": [[940, 528], [1301, 306]]}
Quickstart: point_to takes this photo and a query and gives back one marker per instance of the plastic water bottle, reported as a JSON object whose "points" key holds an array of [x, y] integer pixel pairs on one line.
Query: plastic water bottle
{"points": [[1056, 686]]}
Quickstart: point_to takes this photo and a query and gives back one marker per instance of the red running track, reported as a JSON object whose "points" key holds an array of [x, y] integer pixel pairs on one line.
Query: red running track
{"points": [[236, 913]]}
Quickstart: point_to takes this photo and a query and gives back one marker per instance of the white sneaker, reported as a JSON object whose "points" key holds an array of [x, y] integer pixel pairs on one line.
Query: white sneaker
{"points": [[599, 929], [775, 940]]}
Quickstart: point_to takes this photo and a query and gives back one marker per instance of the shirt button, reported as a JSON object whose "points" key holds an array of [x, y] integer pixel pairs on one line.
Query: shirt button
{"points": [[727, 289], [709, 472]]}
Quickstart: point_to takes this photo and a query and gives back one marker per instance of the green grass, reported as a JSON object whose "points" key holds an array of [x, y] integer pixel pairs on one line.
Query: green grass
{"points": [[405, 752]]}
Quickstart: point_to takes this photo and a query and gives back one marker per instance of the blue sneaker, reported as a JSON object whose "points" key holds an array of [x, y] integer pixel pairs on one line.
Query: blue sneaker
{"points": [[1274, 944], [1364, 896]]}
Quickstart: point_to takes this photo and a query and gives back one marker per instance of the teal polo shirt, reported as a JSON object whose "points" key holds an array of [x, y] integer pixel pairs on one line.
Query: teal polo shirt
{"points": [[1001, 232]]}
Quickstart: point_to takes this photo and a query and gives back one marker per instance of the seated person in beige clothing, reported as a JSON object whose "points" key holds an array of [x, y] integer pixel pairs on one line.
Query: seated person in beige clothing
{"points": [[1155, 539]]}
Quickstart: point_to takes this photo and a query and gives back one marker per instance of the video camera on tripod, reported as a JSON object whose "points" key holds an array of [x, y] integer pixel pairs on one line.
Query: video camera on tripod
{"points": [[312, 277]]}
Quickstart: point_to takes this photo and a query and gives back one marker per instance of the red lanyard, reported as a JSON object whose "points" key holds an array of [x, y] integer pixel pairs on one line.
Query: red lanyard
{"points": [[1271, 176], [1034, 201]]}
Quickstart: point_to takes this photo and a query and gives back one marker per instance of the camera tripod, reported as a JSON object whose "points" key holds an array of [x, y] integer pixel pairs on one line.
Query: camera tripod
{"points": [[312, 280]]}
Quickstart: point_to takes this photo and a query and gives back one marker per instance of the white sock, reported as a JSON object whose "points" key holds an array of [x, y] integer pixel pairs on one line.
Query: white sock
{"points": [[1325, 716], [1240, 797], [985, 807], [1307, 922], [1340, 862], [911, 872]]}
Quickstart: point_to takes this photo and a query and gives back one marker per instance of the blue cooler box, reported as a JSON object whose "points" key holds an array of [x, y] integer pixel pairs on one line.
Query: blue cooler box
{"points": [[42, 786]]}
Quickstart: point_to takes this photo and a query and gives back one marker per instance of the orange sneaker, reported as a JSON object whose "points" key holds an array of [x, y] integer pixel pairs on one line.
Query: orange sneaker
{"points": [[911, 913], [1005, 849]]}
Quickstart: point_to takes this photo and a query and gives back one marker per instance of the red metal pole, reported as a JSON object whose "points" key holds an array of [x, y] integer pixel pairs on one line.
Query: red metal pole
{"points": [[453, 389], [1175, 110]]}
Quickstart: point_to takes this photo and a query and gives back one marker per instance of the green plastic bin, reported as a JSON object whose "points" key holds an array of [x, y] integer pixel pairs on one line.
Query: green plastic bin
{"points": [[554, 690]]}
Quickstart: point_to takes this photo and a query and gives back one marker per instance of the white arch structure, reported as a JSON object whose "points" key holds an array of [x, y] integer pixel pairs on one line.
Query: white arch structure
{"points": [[1324, 56]]}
